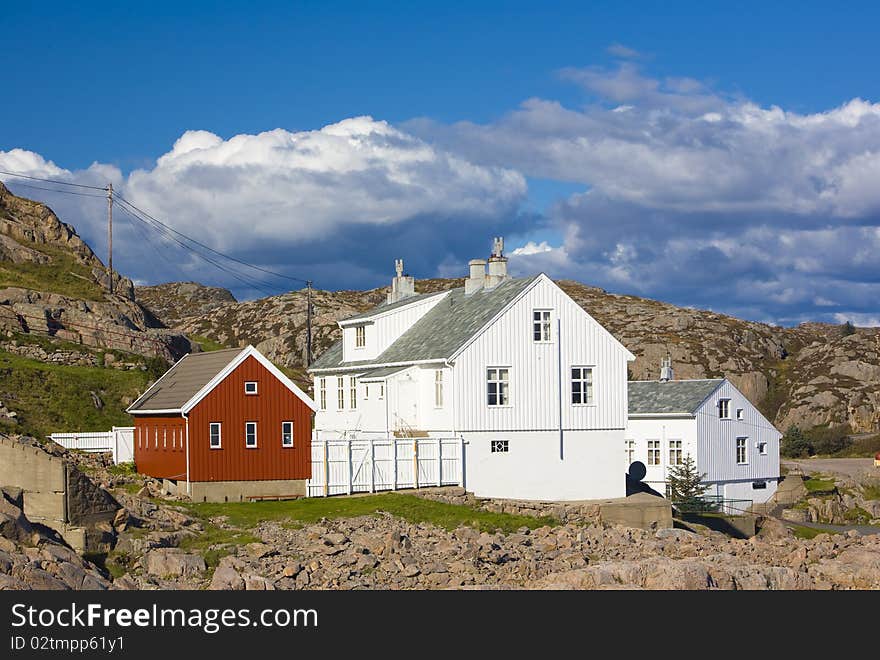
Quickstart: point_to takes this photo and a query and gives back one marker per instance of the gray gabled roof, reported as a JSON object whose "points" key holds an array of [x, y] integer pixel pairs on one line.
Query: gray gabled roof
{"points": [[648, 397], [181, 383], [387, 307], [442, 330]]}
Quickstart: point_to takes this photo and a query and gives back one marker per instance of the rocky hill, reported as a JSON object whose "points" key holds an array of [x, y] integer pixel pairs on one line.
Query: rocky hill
{"points": [[809, 375], [52, 284], [173, 301]]}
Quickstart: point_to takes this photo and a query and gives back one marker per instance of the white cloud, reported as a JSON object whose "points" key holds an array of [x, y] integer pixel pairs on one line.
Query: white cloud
{"points": [[619, 50], [532, 248], [301, 202], [698, 196]]}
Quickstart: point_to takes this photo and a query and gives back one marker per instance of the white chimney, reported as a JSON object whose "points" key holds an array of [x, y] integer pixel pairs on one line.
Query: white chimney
{"points": [[477, 276], [402, 286], [666, 372], [497, 265]]}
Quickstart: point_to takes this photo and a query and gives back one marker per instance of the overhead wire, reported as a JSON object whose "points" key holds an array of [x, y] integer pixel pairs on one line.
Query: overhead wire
{"points": [[66, 192], [61, 183]]}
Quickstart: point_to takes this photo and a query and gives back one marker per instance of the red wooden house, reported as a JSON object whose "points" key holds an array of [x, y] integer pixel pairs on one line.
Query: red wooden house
{"points": [[225, 426]]}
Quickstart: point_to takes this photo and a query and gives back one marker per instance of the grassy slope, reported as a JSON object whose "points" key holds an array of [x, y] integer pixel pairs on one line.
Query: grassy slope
{"points": [[63, 275], [409, 507], [53, 398]]}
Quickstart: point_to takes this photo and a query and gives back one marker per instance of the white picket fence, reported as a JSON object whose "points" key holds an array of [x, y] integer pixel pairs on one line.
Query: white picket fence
{"points": [[119, 441], [343, 467]]}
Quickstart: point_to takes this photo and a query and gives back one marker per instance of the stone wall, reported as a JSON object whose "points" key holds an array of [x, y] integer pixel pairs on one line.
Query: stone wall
{"points": [[56, 494]]}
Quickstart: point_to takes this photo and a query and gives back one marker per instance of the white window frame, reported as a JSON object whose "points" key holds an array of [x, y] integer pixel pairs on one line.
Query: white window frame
{"points": [[352, 392], [438, 388], [740, 414], [285, 433], [219, 426], [542, 326], [247, 434], [654, 451], [629, 448], [322, 391], [742, 442], [502, 394], [583, 382], [360, 336], [340, 393], [762, 448], [723, 408], [499, 446], [381, 390], [366, 392], [256, 387], [678, 452]]}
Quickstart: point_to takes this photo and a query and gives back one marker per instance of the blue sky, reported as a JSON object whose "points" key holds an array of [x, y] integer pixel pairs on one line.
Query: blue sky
{"points": [[522, 120]]}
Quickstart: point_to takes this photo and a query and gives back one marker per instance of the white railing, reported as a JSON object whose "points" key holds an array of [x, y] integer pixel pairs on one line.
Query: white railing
{"points": [[119, 441], [346, 466]]}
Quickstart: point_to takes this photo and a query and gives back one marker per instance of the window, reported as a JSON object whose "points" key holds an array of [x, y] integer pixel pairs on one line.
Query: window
{"points": [[581, 385], [759, 485], [250, 435], [724, 408], [322, 389], [438, 388], [653, 452], [741, 455], [675, 457], [155, 437], [762, 448], [214, 433], [353, 392], [541, 325], [250, 387], [739, 414], [498, 386], [287, 434], [500, 446], [366, 392], [360, 336], [668, 491], [381, 390], [340, 393], [630, 451]]}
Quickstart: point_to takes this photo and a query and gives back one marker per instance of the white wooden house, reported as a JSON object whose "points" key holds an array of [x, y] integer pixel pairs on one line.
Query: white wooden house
{"points": [[535, 387], [732, 443]]}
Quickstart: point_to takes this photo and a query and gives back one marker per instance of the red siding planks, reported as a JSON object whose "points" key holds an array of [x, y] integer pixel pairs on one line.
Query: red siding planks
{"points": [[160, 446], [229, 405]]}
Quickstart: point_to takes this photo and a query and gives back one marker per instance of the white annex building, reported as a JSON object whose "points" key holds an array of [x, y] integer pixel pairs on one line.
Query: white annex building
{"points": [[535, 387], [731, 442]]}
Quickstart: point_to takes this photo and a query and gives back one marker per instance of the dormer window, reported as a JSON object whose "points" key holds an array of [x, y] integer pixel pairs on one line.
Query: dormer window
{"points": [[250, 387], [360, 336], [541, 325]]}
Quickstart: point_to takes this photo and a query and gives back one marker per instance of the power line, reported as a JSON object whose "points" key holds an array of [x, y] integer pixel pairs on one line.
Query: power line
{"points": [[238, 276], [66, 192], [221, 254], [61, 183]]}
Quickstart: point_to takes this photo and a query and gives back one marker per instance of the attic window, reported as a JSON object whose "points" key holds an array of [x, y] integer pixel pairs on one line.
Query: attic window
{"points": [[541, 325], [250, 387], [723, 408], [360, 336], [739, 414]]}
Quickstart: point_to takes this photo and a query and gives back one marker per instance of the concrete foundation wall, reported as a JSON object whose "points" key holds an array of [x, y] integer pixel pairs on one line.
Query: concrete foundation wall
{"points": [[641, 510], [239, 491], [54, 493]]}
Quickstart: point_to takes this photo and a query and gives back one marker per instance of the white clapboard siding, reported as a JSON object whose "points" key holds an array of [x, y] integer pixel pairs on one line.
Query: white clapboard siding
{"points": [[716, 439], [368, 465], [535, 370], [119, 441]]}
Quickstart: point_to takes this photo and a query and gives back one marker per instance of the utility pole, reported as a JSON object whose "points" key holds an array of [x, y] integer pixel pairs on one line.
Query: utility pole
{"points": [[309, 324], [110, 235]]}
